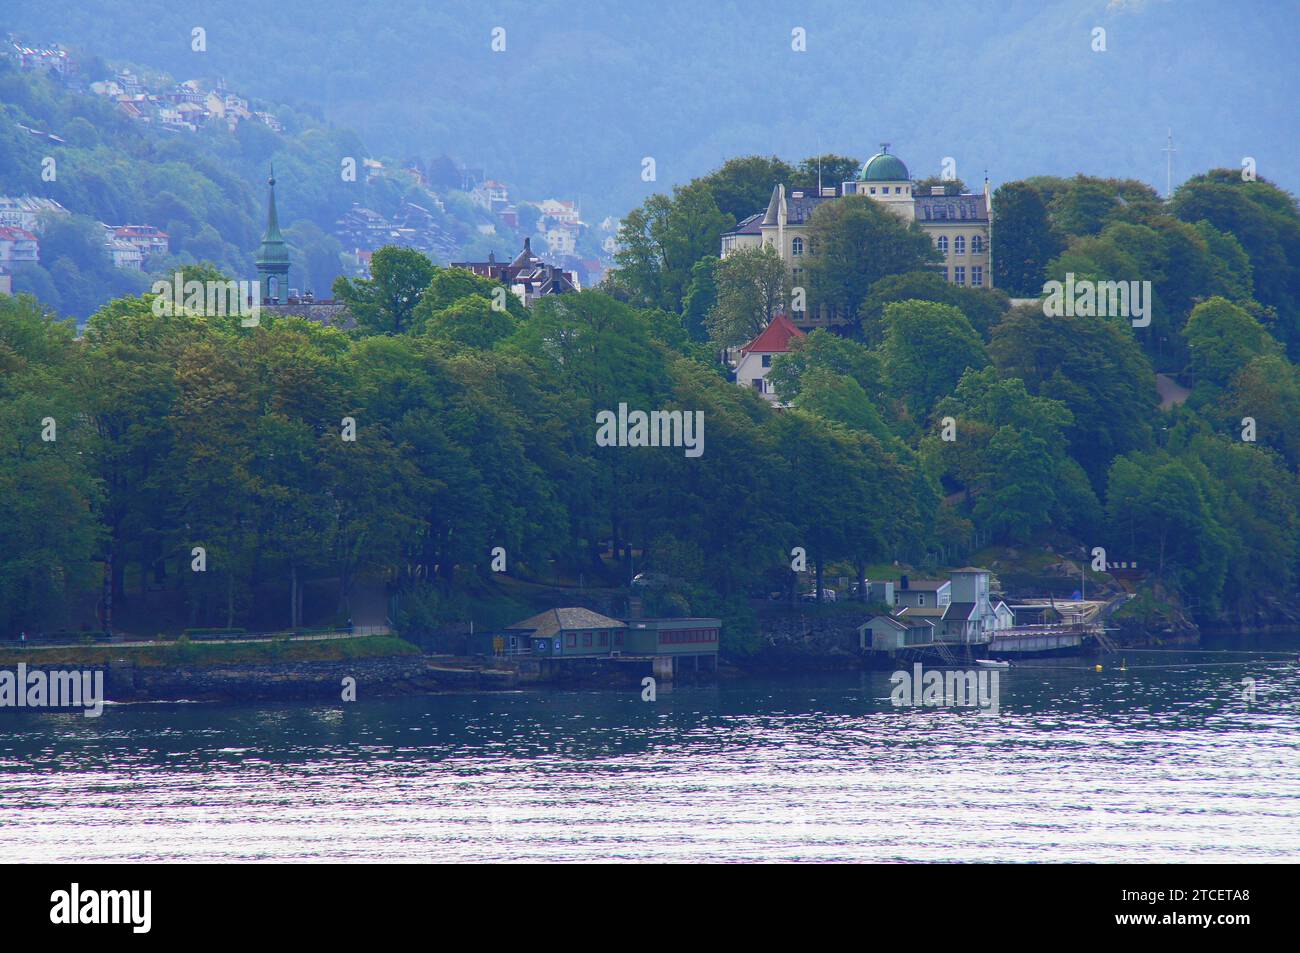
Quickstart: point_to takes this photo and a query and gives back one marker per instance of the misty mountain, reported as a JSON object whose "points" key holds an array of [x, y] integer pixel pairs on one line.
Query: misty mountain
{"points": [[582, 92]]}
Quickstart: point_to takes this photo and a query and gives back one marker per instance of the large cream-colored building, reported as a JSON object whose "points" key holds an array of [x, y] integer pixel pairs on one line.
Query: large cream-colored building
{"points": [[957, 224]]}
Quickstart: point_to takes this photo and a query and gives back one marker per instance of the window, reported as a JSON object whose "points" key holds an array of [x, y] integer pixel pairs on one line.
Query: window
{"points": [[959, 275], [959, 245], [943, 244], [812, 246], [618, 637], [586, 640], [571, 640], [796, 246], [604, 639], [767, 360], [977, 276], [898, 190], [977, 245], [920, 600]]}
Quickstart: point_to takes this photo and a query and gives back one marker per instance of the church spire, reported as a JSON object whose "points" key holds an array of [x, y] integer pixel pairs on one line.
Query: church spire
{"points": [[272, 218], [273, 256]]}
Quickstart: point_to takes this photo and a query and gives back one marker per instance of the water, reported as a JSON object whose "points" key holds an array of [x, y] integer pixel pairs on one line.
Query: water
{"points": [[1165, 762]]}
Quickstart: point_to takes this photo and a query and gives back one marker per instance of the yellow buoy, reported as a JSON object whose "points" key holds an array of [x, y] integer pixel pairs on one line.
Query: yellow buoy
{"points": [[1097, 668]]}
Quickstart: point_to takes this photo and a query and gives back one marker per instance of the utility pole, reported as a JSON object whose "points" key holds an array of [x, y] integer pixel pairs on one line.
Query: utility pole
{"points": [[1169, 151]]}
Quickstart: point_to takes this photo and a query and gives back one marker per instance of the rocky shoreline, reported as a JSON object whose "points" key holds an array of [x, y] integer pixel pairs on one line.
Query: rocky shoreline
{"points": [[384, 676]]}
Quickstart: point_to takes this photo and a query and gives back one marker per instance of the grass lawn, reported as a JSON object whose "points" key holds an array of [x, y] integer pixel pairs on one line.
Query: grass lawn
{"points": [[203, 654]]}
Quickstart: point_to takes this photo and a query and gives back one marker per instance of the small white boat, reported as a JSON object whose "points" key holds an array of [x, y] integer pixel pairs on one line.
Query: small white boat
{"points": [[992, 663]]}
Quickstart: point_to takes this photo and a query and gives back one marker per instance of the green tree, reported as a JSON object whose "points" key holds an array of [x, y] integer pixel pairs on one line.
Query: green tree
{"points": [[854, 242], [1023, 240], [926, 350], [752, 284], [386, 302]]}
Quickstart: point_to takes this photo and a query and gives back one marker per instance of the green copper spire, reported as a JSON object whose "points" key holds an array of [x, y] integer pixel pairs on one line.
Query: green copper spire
{"points": [[273, 256]]}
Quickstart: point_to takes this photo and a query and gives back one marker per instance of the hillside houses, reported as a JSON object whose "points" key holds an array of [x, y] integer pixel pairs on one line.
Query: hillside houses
{"points": [[186, 106], [54, 58], [149, 239], [28, 211], [412, 226], [17, 247]]}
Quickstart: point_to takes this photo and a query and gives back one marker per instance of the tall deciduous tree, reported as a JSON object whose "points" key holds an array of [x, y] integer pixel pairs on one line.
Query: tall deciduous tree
{"points": [[1023, 240]]}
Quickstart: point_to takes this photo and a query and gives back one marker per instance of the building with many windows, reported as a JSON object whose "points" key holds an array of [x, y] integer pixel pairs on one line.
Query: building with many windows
{"points": [[959, 225]]}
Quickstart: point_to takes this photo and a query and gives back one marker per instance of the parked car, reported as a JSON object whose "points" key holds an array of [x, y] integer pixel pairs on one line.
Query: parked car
{"points": [[651, 580], [828, 595]]}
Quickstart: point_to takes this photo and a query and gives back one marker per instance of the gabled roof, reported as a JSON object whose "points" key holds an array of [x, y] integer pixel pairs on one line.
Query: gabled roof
{"points": [[748, 226], [925, 585], [553, 621], [775, 338], [526, 256], [884, 618], [900, 621], [798, 208], [913, 611], [958, 611]]}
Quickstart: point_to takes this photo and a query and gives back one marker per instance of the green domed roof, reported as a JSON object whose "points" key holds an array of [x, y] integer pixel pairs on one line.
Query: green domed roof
{"points": [[882, 167]]}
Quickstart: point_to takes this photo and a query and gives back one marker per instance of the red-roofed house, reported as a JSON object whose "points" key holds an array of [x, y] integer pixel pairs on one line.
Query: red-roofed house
{"points": [[17, 247], [754, 360]]}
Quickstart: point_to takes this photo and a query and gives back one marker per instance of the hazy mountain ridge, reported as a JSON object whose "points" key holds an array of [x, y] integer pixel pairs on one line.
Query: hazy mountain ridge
{"points": [[1014, 88]]}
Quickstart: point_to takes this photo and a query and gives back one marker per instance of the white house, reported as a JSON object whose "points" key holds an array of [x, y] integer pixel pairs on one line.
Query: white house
{"points": [[971, 616], [959, 225], [561, 241], [560, 211], [885, 633], [880, 592], [922, 593], [754, 360]]}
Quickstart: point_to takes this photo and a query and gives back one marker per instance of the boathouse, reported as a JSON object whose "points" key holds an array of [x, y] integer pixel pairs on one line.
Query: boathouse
{"points": [[570, 633]]}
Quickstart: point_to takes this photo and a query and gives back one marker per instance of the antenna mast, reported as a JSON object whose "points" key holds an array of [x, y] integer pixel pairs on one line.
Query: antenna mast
{"points": [[1169, 151]]}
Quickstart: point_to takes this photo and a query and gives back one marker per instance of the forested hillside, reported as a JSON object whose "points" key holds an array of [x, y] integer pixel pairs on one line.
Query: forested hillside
{"points": [[205, 188], [475, 426]]}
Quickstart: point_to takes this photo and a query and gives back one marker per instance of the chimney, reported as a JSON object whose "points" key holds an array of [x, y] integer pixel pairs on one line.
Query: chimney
{"points": [[528, 245], [902, 582]]}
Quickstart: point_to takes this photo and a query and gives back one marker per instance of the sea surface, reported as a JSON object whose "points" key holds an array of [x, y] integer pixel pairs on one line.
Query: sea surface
{"points": [[1181, 757]]}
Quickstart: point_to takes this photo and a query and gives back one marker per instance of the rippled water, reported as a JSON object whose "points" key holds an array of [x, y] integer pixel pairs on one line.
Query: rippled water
{"points": [[1164, 762]]}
